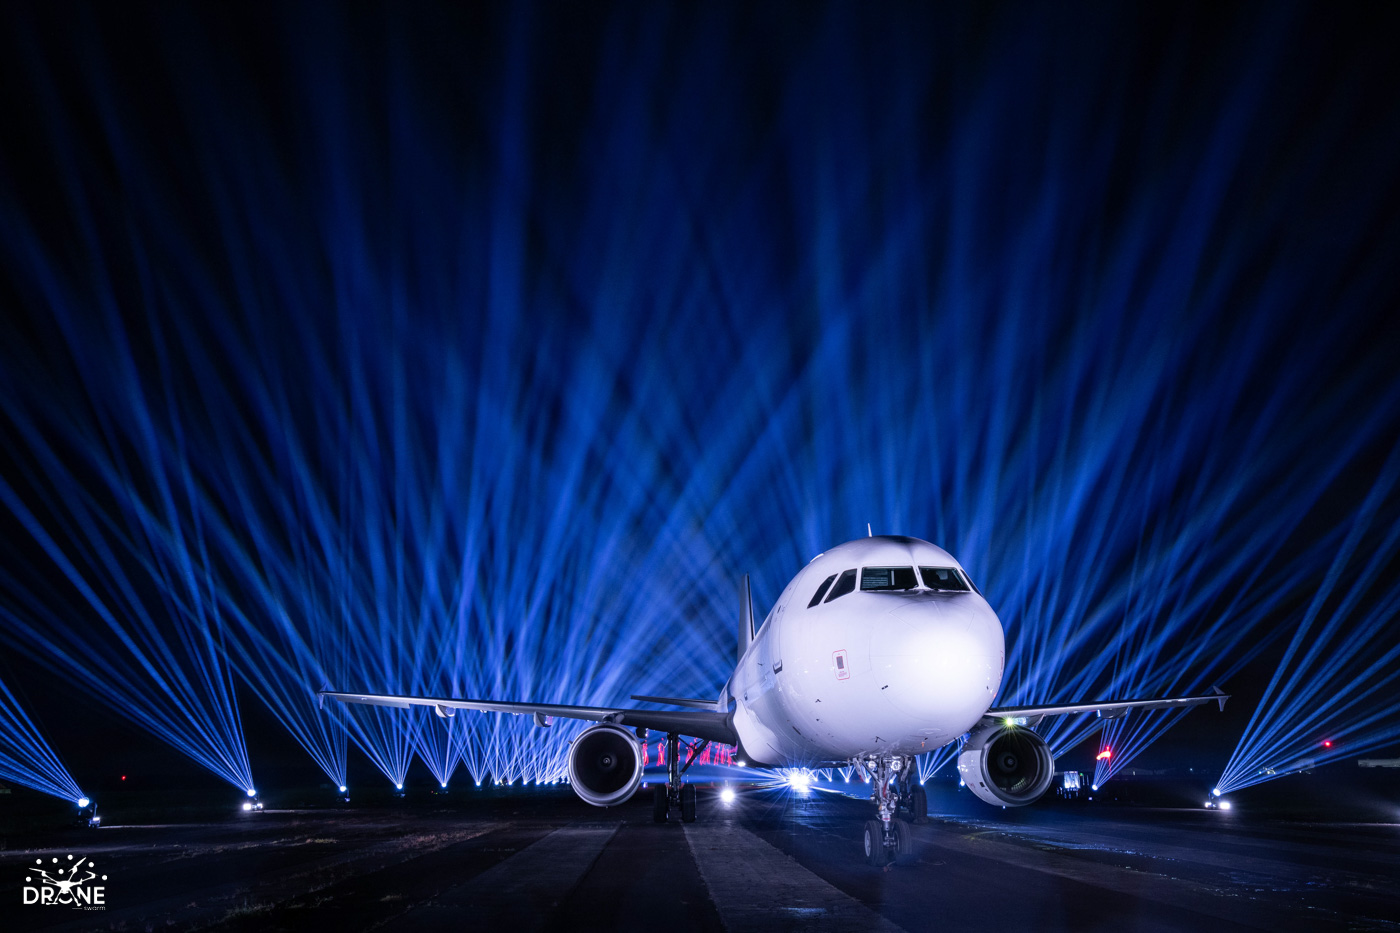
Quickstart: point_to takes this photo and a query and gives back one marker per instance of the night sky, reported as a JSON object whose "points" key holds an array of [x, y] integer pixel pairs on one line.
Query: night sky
{"points": [[481, 348]]}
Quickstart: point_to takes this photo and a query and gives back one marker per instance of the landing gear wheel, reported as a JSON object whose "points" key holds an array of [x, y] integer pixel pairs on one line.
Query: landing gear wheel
{"points": [[918, 804], [903, 841], [875, 852], [659, 803], [687, 803]]}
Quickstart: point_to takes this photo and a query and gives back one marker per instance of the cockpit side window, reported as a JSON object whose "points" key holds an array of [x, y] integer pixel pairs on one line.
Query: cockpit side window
{"points": [[846, 583], [887, 578], [821, 591], [943, 578]]}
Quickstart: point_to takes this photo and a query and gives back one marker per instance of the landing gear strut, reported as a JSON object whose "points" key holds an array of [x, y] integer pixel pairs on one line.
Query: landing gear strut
{"points": [[889, 838], [674, 794]]}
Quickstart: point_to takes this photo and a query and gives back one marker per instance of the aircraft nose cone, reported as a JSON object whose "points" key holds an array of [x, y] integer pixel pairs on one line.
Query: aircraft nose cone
{"points": [[942, 660]]}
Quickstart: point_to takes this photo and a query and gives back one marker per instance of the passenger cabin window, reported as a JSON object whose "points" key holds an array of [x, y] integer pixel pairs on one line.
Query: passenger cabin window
{"points": [[821, 591], [846, 583], [943, 578], [888, 578]]}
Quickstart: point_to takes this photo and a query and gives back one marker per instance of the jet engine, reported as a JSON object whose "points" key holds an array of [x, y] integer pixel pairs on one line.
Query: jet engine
{"points": [[605, 765], [1009, 766]]}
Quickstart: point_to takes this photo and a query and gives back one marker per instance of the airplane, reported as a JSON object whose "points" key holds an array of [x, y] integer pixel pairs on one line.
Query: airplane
{"points": [[878, 650]]}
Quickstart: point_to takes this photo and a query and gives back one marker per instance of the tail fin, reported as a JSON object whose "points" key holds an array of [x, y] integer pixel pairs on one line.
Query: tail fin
{"points": [[745, 618]]}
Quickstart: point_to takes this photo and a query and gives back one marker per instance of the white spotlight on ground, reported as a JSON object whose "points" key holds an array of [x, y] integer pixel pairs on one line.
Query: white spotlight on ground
{"points": [[800, 780], [727, 795]]}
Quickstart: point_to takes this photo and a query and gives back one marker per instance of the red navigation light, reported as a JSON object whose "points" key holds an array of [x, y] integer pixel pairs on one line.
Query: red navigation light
{"points": [[1326, 743], [1104, 755], [123, 777]]}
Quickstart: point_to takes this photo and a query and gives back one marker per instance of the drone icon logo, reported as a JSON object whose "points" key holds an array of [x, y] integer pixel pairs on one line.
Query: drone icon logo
{"points": [[69, 885]]}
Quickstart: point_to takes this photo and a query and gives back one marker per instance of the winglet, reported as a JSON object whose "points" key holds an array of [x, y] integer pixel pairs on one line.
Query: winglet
{"points": [[745, 618], [1221, 696]]}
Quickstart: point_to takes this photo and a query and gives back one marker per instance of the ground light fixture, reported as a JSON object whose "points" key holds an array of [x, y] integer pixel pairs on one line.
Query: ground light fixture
{"points": [[727, 795]]}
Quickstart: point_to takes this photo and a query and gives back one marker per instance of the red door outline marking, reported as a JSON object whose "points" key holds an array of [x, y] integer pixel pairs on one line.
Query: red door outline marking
{"points": [[841, 664]]}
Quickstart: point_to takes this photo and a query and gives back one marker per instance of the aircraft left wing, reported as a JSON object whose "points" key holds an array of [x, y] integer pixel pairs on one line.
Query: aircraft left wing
{"points": [[702, 724], [1109, 709]]}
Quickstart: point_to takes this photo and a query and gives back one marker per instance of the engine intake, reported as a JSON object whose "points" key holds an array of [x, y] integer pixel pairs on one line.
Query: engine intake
{"points": [[1009, 766], [605, 765]]}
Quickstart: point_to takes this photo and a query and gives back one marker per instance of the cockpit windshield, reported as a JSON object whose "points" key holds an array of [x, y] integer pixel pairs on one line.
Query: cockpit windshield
{"points": [[887, 578], [943, 578], [846, 583]]}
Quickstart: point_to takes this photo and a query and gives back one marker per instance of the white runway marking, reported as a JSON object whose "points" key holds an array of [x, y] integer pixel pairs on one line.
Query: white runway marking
{"points": [[757, 888], [522, 890]]}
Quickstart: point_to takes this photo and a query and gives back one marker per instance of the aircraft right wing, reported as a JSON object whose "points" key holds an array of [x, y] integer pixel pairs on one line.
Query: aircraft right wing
{"points": [[1109, 709], [702, 724]]}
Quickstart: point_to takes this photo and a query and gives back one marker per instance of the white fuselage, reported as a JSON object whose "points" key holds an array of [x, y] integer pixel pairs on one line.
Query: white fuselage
{"points": [[868, 672]]}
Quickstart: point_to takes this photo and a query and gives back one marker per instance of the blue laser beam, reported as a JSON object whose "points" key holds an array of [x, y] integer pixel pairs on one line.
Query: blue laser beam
{"points": [[492, 375], [27, 758]]}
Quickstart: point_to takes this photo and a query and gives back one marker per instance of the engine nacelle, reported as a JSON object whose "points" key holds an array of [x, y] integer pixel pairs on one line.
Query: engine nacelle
{"points": [[605, 765], [1009, 766]]}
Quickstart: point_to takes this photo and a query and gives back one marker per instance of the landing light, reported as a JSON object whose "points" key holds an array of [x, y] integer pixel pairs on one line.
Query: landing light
{"points": [[1224, 804], [1014, 721], [83, 801], [741, 763], [247, 806], [727, 795]]}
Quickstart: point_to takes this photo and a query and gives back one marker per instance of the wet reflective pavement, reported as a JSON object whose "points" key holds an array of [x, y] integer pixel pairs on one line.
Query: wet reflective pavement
{"points": [[776, 859]]}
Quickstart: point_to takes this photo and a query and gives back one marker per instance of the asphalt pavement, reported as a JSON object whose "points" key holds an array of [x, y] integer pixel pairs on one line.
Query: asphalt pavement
{"points": [[774, 859]]}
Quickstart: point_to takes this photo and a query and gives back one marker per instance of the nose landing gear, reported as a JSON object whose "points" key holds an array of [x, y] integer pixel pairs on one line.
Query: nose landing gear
{"points": [[889, 838]]}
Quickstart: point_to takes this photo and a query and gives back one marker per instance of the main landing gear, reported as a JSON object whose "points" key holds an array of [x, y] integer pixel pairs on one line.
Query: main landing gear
{"points": [[890, 838], [673, 794]]}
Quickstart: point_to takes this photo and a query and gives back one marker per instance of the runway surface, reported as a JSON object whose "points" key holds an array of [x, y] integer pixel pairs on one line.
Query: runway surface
{"points": [[775, 860]]}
